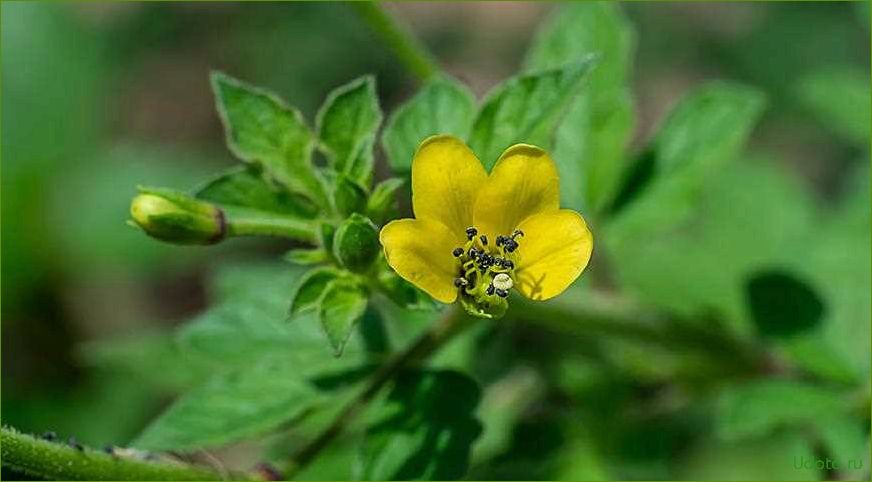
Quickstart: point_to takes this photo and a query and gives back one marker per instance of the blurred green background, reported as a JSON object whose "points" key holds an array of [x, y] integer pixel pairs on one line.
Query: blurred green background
{"points": [[100, 97]]}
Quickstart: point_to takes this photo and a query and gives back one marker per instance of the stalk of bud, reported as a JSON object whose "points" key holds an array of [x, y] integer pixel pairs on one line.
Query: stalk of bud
{"points": [[177, 218]]}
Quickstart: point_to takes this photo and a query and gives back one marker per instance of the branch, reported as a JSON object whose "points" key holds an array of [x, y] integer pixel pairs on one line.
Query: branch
{"points": [[56, 461], [453, 322], [407, 48]]}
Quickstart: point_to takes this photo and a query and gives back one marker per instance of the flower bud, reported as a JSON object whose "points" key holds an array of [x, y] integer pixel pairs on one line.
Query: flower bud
{"points": [[356, 243], [177, 218]]}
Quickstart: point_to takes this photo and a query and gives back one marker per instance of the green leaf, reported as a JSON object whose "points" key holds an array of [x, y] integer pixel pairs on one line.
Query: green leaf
{"points": [[348, 196], [702, 265], [312, 286], [443, 106], [264, 132], [250, 323], [526, 109], [340, 307], [590, 141], [347, 125], [244, 187], [306, 257], [381, 205], [356, 243], [839, 99], [231, 407], [425, 429], [782, 305], [758, 408], [705, 130]]}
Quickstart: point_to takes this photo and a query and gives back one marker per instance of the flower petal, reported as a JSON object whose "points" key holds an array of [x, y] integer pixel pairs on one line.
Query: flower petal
{"points": [[524, 182], [555, 249], [419, 250], [446, 177]]}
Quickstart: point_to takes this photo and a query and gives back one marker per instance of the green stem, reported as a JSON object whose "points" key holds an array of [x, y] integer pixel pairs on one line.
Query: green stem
{"points": [[406, 47], [55, 461], [452, 322], [239, 224]]}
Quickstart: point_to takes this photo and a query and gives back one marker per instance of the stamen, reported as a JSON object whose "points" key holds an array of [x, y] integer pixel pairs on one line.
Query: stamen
{"points": [[460, 282], [517, 233], [490, 290], [471, 232], [502, 293], [457, 252], [503, 282], [483, 239]]}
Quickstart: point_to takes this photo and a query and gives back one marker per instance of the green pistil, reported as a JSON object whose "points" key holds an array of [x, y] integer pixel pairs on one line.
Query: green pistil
{"points": [[486, 272]]}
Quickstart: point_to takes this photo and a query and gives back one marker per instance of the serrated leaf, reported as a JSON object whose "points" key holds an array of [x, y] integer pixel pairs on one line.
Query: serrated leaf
{"points": [[381, 205], [590, 141], [340, 307], [758, 408], [347, 125], [425, 429], [356, 243], [443, 106], [250, 322], [782, 305], [231, 407], [311, 287], [526, 109], [244, 187], [263, 131], [306, 257]]}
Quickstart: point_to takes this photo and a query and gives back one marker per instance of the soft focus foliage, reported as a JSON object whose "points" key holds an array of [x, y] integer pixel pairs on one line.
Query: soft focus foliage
{"points": [[719, 153]]}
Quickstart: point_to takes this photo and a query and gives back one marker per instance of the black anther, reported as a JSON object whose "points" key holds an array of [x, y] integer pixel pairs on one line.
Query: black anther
{"points": [[511, 245], [490, 290], [483, 239], [508, 264], [473, 253], [502, 293], [517, 233], [460, 282], [471, 232], [457, 252], [500, 240]]}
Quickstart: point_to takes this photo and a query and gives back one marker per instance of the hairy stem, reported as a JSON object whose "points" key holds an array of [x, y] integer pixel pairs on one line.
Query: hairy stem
{"points": [[452, 322], [56, 461], [406, 47], [238, 224]]}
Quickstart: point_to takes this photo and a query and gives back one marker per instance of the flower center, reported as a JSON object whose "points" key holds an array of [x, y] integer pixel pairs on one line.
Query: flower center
{"points": [[486, 271]]}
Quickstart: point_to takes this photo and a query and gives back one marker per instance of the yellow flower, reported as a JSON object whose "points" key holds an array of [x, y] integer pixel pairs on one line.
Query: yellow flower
{"points": [[477, 236]]}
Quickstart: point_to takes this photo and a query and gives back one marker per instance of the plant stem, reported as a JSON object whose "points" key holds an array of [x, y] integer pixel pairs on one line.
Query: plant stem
{"points": [[297, 229], [406, 47], [452, 322], [56, 461]]}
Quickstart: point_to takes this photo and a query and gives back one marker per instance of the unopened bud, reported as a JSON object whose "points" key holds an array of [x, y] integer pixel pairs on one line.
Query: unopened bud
{"points": [[177, 218]]}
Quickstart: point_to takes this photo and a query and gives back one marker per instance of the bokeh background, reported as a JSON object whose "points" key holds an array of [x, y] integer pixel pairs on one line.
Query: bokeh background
{"points": [[98, 98]]}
